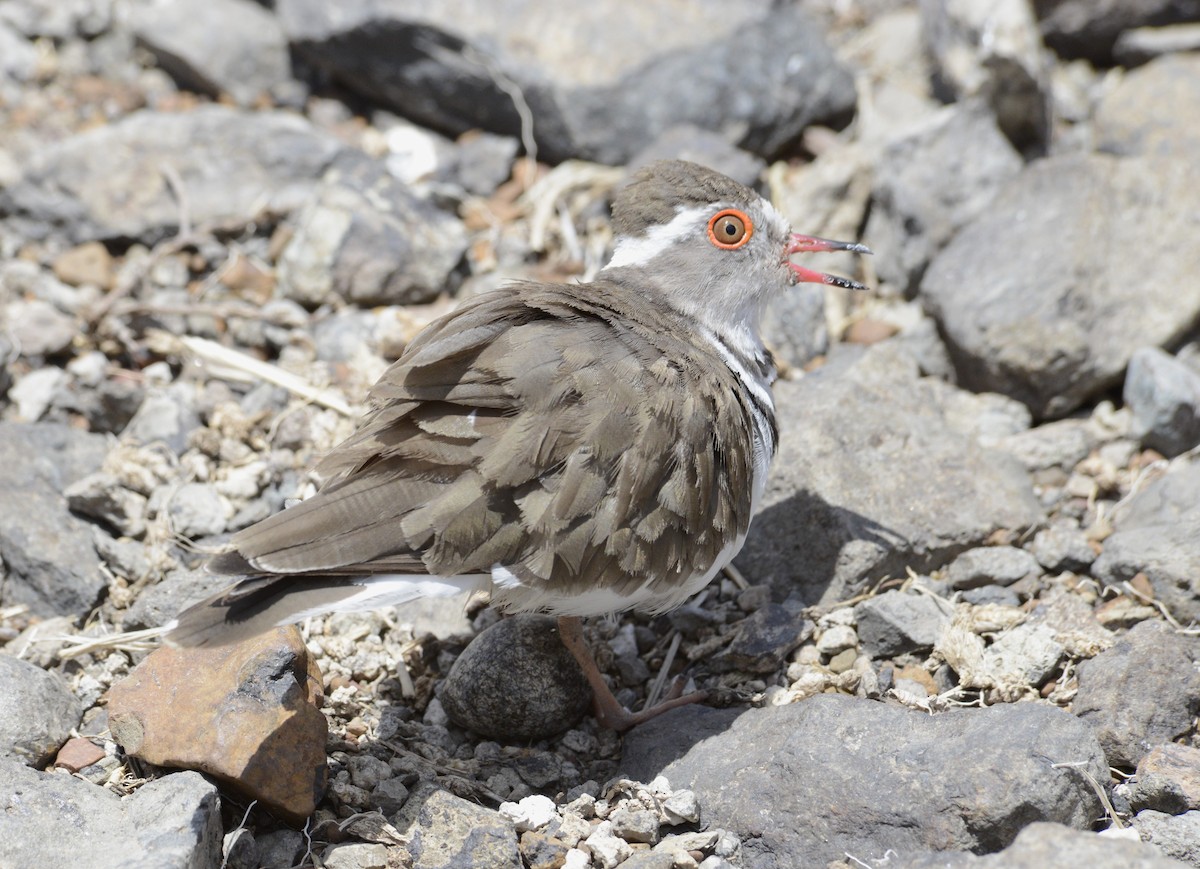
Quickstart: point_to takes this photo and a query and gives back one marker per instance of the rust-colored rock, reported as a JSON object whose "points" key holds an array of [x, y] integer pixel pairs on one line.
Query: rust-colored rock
{"points": [[1168, 779], [868, 331], [248, 714], [77, 753], [88, 263]]}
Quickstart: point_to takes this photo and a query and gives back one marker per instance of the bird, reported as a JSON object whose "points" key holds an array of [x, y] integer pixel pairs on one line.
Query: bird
{"points": [[570, 449]]}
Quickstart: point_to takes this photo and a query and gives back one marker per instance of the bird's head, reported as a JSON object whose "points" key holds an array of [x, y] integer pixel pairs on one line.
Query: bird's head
{"points": [[709, 246]]}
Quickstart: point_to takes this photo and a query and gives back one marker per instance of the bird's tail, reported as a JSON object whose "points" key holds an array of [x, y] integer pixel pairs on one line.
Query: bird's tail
{"points": [[259, 603]]}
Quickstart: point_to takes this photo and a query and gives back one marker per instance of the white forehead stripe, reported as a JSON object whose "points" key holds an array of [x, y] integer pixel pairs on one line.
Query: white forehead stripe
{"points": [[640, 250]]}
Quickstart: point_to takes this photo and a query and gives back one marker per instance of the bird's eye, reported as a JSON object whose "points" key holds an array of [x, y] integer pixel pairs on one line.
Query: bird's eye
{"points": [[730, 229]]}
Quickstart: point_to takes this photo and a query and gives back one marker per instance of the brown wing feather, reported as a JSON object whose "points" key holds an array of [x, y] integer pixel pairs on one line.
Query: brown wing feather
{"points": [[569, 433]]}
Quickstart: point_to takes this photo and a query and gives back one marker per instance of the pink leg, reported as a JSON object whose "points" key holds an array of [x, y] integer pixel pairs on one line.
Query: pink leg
{"points": [[608, 711]]}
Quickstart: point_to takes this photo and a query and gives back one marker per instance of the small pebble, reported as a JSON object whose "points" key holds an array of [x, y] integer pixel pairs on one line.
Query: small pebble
{"points": [[836, 639], [681, 807], [843, 660], [608, 850], [754, 598], [531, 813], [355, 855], [577, 859], [635, 824], [572, 828], [367, 771]]}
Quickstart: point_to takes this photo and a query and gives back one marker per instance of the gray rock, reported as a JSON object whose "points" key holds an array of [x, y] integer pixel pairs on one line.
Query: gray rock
{"points": [[1025, 655], [1163, 395], [650, 860], [169, 417], [600, 79], [279, 849], [869, 480], [59, 19], [37, 711], [840, 793], [794, 325], [990, 565], [57, 455], [38, 328], [216, 46], [1058, 323], [1143, 44], [1176, 836], [628, 661], [1059, 444], [341, 336], [367, 239], [197, 510], [922, 342], [51, 561], [34, 393], [107, 406], [1153, 111], [266, 398], [34, 831], [1168, 554], [40, 643], [177, 819], [991, 50], [18, 57], [991, 594], [483, 161], [161, 602], [389, 796], [1061, 547], [1173, 497], [355, 855], [1072, 622], [698, 145], [125, 558], [419, 157], [635, 825], [55, 819], [239, 850], [764, 640], [1143, 691], [889, 48], [985, 416], [896, 622], [448, 831], [110, 182], [1079, 28], [516, 682], [20, 279], [442, 617], [1043, 845], [102, 496]]}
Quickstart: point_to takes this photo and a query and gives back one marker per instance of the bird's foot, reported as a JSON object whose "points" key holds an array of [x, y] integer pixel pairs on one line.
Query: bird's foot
{"points": [[608, 710], [611, 714]]}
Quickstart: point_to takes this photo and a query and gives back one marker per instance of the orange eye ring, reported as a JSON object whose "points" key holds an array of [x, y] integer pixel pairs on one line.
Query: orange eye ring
{"points": [[730, 229]]}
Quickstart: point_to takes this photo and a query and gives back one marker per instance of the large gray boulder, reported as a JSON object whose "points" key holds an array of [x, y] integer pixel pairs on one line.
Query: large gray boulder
{"points": [[596, 78]]}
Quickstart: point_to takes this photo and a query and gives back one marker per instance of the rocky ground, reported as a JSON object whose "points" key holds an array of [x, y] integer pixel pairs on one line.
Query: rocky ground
{"points": [[963, 631]]}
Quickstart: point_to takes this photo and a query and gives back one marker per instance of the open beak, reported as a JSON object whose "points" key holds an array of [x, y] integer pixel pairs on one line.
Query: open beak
{"points": [[812, 244]]}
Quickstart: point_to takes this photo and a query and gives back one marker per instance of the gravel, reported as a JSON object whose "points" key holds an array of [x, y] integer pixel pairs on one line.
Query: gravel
{"points": [[974, 576]]}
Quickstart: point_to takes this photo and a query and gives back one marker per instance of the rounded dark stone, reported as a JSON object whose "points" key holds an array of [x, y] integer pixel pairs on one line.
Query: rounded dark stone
{"points": [[516, 682]]}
